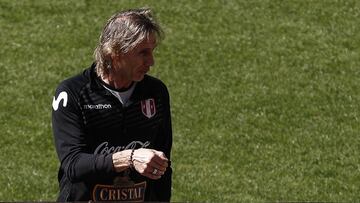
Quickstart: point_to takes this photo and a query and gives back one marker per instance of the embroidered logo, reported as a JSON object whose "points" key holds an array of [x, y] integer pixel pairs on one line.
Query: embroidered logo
{"points": [[63, 96], [148, 107]]}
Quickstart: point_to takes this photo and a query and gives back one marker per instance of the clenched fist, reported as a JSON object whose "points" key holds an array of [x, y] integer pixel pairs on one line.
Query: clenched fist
{"points": [[150, 163]]}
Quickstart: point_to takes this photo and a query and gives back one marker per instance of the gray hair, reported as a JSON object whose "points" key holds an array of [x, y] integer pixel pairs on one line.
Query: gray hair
{"points": [[123, 32]]}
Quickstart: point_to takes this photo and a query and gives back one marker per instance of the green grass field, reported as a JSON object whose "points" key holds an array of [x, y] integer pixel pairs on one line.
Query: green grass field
{"points": [[265, 94]]}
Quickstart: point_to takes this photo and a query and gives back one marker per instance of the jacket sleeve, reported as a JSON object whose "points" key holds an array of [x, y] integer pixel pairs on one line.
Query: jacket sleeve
{"points": [[77, 162], [164, 144]]}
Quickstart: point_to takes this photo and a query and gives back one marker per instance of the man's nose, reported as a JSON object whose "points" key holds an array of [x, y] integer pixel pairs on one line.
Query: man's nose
{"points": [[150, 60]]}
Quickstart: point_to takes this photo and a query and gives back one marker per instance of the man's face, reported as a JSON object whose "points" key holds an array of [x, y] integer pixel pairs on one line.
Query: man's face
{"points": [[133, 65]]}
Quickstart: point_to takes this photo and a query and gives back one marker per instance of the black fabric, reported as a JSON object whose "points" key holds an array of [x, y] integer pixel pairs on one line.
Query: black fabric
{"points": [[89, 125]]}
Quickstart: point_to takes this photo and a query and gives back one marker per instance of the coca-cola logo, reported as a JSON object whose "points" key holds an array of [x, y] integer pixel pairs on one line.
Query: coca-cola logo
{"points": [[104, 148]]}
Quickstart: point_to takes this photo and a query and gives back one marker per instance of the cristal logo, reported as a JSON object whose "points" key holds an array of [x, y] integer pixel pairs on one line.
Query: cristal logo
{"points": [[130, 193], [63, 96], [97, 106], [104, 149]]}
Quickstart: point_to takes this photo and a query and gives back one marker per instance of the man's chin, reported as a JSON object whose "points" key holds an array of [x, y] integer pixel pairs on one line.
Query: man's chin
{"points": [[139, 78]]}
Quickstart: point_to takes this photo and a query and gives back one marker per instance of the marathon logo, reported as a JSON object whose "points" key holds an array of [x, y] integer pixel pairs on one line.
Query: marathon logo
{"points": [[134, 193], [97, 106]]}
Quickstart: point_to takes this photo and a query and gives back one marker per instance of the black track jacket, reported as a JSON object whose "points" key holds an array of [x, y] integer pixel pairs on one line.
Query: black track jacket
{"points": [[90, 124]]}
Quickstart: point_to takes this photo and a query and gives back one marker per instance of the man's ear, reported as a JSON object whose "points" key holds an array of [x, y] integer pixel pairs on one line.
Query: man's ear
{"points": [[116, 56], [108, 62]]}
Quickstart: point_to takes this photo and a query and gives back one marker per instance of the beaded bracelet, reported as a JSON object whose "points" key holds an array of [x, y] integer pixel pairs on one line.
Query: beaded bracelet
{"points": [[131, 159]]}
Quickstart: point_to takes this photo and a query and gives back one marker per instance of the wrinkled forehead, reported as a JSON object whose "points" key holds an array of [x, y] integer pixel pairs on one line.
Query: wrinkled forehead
{"points": [[150, 41]]}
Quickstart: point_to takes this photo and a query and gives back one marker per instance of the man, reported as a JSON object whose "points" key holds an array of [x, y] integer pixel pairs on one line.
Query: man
{"points": [[112, 124]]}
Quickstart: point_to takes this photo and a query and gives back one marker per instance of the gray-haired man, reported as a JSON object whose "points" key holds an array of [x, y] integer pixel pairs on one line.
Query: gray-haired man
{"points": [[112, 123]]}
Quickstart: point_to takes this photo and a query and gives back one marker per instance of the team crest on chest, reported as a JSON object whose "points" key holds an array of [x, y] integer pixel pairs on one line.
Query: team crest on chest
{"points": [[148, 107]]}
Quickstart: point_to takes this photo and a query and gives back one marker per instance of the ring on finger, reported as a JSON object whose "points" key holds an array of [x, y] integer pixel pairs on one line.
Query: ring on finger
{"points": [[154, 171]]}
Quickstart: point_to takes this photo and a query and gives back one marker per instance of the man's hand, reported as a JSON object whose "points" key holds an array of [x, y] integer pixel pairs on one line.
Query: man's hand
{"points": [[150, 163]]}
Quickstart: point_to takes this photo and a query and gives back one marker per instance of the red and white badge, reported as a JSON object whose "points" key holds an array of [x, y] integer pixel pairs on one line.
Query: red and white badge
{"points": [[148, 107]]}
